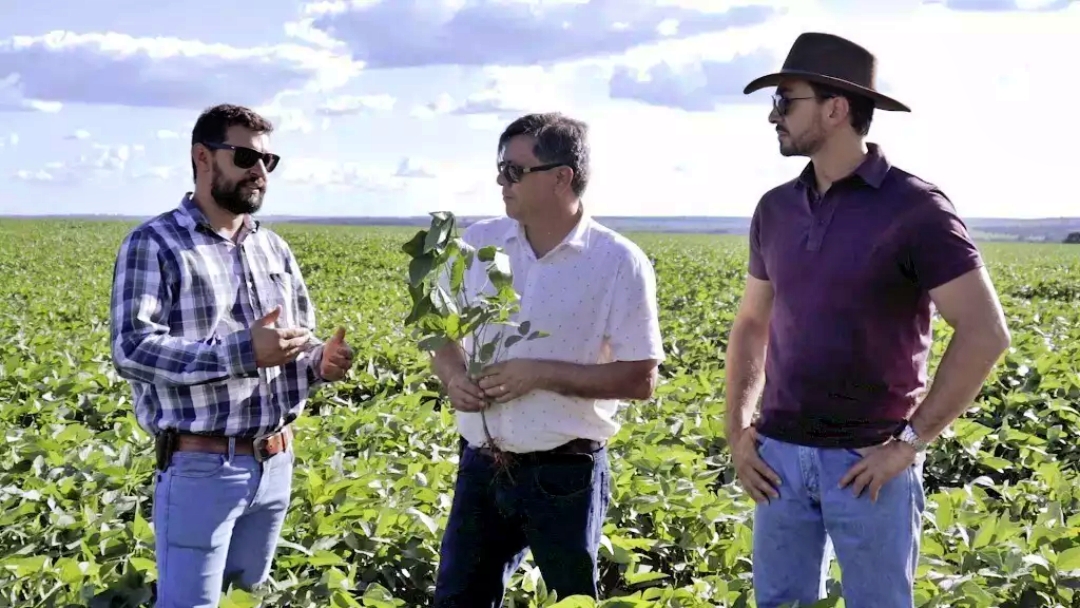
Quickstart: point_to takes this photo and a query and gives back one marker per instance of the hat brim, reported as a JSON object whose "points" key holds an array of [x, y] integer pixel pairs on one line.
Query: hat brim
{"points": [[881, 101]]}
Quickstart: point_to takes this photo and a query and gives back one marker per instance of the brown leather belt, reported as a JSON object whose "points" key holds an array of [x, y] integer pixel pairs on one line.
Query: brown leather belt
{"points": [[261, 448]]}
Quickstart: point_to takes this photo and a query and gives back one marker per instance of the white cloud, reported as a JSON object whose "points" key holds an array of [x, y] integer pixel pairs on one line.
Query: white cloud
{"points": [[418, 178], [355, 175], [416, 168], [13, 99], [287, 117], [695, 86], [79, 135], [411, 33], [513, 91], [975, 81], [159, 172], [104, 161], [167, 134], [118, 69], [346, 105]]}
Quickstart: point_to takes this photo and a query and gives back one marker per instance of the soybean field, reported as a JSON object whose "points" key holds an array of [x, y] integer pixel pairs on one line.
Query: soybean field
{"points": [[376, 454]]}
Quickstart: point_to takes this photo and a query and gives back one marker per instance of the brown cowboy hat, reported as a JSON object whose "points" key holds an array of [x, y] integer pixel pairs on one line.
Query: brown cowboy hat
{"points": [[832, 60]]}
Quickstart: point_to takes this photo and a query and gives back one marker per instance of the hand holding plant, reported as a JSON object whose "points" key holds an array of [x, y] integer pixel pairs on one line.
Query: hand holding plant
{"points": [[444, 310]]}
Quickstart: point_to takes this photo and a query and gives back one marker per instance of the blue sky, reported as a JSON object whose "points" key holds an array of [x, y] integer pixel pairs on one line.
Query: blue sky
{"points": [[394, 107]]}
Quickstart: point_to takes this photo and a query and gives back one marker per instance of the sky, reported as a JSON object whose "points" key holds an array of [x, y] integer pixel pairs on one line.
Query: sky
{"points": [[394, 107]]}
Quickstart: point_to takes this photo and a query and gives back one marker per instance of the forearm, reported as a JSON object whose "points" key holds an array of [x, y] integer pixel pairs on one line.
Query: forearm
{"points": [[617, 380], [448, 362], [310, 362], [157, 358], [745, 375], [968, 360]]}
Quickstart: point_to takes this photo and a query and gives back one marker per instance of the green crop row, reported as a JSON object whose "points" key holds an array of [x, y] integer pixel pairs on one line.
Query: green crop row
{"points": [[376, 453]]}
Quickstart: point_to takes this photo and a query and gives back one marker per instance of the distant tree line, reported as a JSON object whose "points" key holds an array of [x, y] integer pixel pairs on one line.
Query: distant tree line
{"points": [[1074, 238]]}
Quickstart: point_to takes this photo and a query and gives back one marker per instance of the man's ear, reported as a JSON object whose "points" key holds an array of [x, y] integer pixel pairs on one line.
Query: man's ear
{"points": [[565, 179], [200, 155]]}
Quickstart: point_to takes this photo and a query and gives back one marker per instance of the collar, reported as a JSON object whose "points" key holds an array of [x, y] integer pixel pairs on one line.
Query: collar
{"points": [[871, 171], [577, 238], [189, 214]]}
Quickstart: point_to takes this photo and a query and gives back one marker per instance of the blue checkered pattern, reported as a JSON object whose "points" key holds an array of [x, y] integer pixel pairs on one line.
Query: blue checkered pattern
{"points": [[182, 300]]}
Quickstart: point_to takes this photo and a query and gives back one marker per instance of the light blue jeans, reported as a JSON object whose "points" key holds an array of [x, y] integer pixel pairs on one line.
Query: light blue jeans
{"points": [[797, 534], [217, 517]]}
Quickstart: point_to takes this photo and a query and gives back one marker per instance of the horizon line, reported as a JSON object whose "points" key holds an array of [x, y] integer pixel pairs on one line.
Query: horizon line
{"points": [[424, 216]]}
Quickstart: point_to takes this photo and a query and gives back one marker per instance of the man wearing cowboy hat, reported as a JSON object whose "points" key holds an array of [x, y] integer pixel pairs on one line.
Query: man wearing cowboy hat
{"points": [[847, 263]]}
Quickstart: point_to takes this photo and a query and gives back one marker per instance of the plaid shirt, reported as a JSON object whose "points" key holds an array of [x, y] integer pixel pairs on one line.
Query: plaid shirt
{"points": [[182, 300]]}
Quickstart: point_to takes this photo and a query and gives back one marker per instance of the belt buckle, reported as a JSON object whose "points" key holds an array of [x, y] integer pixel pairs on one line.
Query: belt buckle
{"points": [[258, 445], [258, 448]]}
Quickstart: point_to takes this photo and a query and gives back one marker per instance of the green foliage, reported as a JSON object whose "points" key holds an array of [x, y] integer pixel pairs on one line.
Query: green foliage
{"points": [[376, 453], [444, 311]]}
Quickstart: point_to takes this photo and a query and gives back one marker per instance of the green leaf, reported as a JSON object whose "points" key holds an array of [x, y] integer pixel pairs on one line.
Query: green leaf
{"points": [[1068, 560], [433, 343], [238, 598], [414, 247], [420, 268], [487, 351], [457, 274]]}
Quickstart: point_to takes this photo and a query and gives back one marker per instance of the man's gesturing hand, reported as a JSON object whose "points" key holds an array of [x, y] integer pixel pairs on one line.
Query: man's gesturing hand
{"points": [[337, 357], [754, 475], [465, 394], [276, 346]]}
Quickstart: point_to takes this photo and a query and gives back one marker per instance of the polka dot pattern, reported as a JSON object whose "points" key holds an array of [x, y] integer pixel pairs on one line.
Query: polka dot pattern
{"points": [[595, 295]]}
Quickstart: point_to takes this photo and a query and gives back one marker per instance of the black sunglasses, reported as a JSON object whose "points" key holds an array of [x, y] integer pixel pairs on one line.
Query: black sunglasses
{"points": [[782, 104], [514, 173], [245, 158]]}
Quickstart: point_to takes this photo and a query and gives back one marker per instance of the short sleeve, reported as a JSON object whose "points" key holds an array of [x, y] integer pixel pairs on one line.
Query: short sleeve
{"points": [[757, 257], [633, 326], [940, 248]]}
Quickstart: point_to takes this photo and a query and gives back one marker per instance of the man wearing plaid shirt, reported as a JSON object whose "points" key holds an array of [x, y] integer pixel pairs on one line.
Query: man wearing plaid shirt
{"points": [[213, 327]]}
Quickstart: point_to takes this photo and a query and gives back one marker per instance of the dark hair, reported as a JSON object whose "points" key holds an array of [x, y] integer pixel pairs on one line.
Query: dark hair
{"points": [[862, 107], [559, 139], [213, 124]]}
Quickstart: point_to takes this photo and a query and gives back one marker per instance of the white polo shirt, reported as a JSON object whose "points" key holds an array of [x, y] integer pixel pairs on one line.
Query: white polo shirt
{"points": [[595, 295]]}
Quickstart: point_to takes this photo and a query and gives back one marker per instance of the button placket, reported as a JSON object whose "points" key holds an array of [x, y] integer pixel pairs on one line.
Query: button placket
{"points": [[820, 217], [251, 290]]}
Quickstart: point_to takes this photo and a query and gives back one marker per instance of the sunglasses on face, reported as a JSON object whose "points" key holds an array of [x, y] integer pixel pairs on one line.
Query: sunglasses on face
{"points": [[782, 104], [245, 158], [514, 173]]}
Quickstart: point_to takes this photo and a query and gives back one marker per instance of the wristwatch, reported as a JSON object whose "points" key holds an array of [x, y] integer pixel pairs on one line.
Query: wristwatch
{"points": [[908, 436]]}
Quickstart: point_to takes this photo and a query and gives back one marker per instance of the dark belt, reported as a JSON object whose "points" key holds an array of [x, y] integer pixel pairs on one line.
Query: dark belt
{"points": [[574, 447], [262, 448]]}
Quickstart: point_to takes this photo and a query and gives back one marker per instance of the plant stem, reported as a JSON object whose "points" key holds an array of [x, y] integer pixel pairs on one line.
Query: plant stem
{"points": [[502, 461]]}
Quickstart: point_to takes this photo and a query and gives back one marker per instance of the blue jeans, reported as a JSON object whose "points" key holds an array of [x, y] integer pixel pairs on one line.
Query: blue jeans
{"points": [[217, 517], [795, 536], [554, 506]]}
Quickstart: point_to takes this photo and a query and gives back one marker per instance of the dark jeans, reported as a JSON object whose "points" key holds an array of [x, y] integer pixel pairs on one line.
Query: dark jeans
{"points": [[553, 504]]}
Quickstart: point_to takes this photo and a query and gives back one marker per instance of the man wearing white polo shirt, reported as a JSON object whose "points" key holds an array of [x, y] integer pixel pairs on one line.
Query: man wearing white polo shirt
{"points": [[550, 403]]}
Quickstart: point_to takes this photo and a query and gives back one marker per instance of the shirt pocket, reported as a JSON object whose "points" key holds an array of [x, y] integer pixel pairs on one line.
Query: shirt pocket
{"points": [[277, 290]]}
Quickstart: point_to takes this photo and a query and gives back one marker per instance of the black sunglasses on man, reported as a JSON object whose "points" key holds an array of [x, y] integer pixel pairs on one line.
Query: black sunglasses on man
{"points": [[514, 173], [245, 158]]}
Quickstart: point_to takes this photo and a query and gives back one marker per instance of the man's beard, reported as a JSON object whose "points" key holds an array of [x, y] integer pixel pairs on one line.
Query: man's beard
{"points": [[233, 198], [808, 144]]}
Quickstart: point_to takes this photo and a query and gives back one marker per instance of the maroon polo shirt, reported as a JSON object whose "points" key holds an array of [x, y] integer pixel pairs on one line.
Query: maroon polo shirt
{"points": [[851, 272]]}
